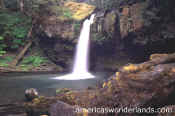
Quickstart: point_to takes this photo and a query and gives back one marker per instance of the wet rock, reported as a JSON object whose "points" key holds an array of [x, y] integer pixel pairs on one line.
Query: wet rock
{"points": [[62, 109], [31, 93], [167, 111]]}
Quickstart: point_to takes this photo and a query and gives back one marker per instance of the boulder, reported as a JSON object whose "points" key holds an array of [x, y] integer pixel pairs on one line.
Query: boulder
{"points": [[31, 93]]}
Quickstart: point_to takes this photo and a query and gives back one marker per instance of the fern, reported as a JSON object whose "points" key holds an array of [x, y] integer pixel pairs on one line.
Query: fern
{"points": [[15, 27], [34, 60]]}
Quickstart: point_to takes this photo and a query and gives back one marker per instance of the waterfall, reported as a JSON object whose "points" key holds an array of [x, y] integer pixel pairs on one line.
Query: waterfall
{"points": [[80, 68], [81, 58]]}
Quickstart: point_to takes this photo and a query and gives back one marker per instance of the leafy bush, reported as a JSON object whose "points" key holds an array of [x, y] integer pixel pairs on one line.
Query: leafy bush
{"points": [[100, 38], [67, 13], [2, 46], [34, 60], [4, 61], [3, 64], [108, 4], [14, 31], [77, 27]]}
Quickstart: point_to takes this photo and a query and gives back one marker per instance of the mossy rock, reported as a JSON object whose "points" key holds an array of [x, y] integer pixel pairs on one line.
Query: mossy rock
{"points": [[79, 10]]}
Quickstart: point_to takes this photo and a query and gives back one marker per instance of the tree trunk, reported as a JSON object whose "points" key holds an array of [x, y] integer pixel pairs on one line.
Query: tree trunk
{"points": [[2, 5], [22, 53], [21, 5]]}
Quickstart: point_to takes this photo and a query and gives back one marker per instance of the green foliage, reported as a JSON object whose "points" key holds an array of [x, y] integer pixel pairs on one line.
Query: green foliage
{"points": [[34, 60], [3, 64], [36, 5], [8, 58], [1, 38], [2, 46], [4, 61], [100, 38], [77, 26], [63, 90], [25, 67], [67, 13], [50, 6], [15, 27], [109, 4]]}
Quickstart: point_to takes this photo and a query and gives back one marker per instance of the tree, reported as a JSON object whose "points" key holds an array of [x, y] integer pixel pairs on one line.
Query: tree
{"points": [[2, 5], [21, 5]]}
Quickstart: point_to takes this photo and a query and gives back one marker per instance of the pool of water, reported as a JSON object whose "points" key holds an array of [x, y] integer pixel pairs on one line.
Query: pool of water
{"points": [[13, 86]]}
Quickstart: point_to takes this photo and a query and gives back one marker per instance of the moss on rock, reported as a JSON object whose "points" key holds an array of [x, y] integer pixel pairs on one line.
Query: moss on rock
{"points": [[79, 10]]}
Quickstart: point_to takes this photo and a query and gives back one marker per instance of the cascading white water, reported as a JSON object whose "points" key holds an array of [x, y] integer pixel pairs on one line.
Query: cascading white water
{"points": [[81, 58], [80, 68]]}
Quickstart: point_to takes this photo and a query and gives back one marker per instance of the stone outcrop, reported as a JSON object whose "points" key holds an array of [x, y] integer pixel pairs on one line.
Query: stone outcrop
{"points": [[59, 20], [132, 30], [143, 23], [79, 10], [58, 29]]}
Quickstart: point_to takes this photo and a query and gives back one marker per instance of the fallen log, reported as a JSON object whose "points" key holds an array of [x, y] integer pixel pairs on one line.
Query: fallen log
{"points": [[21, 54], [2, 5], [26, 47]]}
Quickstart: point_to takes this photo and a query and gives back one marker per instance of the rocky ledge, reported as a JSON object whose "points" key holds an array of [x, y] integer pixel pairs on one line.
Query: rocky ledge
{"points": [[145, 85]]}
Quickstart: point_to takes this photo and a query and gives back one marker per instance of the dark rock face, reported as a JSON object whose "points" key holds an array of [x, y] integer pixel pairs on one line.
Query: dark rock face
{"points": [[58, 29], [147, 26], [132, 30]]}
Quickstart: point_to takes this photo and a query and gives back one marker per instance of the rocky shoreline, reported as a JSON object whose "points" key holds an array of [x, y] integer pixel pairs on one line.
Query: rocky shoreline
{"points": [[149, 84]]}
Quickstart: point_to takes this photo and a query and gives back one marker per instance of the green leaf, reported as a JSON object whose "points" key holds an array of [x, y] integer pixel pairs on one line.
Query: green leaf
{"points": [[14, 46], [3, 45], [2, 52], [3, 64], [1, 38], [34, 60], [17, 41]]}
